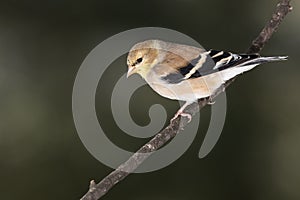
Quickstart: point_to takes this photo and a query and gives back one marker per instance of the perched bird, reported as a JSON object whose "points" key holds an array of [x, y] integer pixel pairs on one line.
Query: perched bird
{"points": [[187, 73]]}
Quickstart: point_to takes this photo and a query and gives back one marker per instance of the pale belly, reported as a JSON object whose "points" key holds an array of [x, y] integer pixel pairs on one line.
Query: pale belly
{"points": [[189, 90], [193, 89]]}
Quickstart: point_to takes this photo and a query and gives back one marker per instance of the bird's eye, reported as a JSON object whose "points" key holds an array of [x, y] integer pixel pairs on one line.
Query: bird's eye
{"points": [[139, 60]]}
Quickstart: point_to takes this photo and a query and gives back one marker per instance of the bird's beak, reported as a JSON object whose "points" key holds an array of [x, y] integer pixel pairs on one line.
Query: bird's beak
{"points": [[131, 70]]}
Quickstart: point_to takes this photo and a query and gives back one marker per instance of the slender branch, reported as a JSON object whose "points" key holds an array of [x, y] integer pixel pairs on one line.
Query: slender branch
{"points": [[98, 190], [283, 8]]}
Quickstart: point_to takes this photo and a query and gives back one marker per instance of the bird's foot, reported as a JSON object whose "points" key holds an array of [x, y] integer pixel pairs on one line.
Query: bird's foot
{"points": [[181, 113], [211, 101]]}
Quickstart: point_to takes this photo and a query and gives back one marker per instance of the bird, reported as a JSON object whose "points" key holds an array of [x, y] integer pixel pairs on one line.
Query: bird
{"points": [[187, 73]]}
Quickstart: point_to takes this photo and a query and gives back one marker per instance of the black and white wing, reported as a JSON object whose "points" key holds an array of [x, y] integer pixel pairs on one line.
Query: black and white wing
{"points": [[214, 61]]}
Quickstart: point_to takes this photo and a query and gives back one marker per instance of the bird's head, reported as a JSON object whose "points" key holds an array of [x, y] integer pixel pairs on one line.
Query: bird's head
{"points": [[142, 57]]}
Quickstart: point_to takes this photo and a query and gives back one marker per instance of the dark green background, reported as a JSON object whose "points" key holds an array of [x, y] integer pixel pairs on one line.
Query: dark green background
{"points": [[42, 44]]}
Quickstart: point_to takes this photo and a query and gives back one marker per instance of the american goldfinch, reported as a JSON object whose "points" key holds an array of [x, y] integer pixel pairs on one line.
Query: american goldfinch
{"points": [[188, 73]]}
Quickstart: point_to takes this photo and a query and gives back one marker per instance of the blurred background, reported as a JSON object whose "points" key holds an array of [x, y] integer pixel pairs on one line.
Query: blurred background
{"points": [[42, 45]]}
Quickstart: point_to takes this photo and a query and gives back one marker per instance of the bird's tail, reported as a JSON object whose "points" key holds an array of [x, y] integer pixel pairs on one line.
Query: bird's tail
{"points": [[261, 60], [247, 65]]}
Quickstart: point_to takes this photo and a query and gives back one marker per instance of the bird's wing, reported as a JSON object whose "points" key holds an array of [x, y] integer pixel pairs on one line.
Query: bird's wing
{"points": [[203, 64]]}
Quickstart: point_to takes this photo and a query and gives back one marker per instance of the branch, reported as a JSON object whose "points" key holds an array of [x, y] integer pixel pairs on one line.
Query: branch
{"points": [[283, 8], [98, 190]]}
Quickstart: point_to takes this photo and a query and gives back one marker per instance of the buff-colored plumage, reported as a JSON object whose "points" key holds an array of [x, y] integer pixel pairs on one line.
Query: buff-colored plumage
{"points": [[187, 73]]}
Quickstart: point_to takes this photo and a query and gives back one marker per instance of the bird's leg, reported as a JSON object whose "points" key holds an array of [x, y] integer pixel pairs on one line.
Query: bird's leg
{"points": [[181, 113]]}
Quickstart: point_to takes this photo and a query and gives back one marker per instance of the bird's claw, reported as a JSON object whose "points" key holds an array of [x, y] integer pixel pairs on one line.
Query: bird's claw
{"points": [[211, 101], [189, 116]]}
